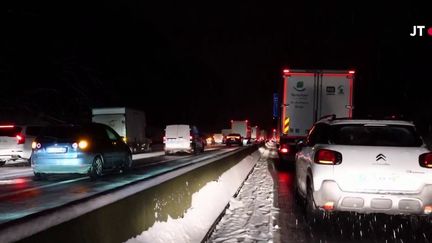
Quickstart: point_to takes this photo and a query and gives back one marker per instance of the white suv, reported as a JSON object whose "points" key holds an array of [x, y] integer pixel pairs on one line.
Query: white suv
{"points": [[364, 166], [15, 142]]}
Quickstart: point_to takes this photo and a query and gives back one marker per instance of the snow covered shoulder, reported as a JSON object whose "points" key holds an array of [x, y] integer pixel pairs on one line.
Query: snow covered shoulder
{"points": [[250, 215], [207, 205]]}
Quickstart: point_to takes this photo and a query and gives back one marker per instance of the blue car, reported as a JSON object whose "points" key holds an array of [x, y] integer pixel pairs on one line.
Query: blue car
{"points": [[90, 149]]}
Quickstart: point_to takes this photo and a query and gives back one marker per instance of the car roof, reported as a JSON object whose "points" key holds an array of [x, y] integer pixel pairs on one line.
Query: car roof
{"points": [[366, 121]]}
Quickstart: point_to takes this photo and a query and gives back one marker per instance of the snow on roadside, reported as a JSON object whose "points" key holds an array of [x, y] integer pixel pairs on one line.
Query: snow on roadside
{"points": [[251, 214], [207, 204]]}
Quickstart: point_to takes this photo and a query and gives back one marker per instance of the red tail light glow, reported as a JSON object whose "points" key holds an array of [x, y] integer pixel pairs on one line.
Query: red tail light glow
{"points": [[425, 160], [328, 206], [328, 157], [6, 126], [20, 139], [286, 71], [190, 137], [284, 150]]}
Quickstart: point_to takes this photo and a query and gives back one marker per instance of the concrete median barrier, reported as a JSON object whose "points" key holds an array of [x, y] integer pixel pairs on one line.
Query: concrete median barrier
{"points": [[129, 217]]}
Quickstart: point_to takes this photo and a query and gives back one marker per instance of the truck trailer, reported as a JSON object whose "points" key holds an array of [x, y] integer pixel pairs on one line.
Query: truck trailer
{"points": [[242, 128], [128, 123], [311, 94]]}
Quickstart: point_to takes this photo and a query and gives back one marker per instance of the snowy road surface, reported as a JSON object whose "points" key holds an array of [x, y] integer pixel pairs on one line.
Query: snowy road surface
{"points": [[250, 215]]}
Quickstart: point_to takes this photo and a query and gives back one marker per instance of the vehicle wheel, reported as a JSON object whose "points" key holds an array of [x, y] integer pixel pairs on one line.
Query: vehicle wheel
{"points": [[312, 213], [298, 198], [97, 168], [2, 162], [127, 164], [194, 149], [39, 176]]}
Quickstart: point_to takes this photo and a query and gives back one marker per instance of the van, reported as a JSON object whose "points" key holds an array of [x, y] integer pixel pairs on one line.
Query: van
{"points": [[15, 142], [183, 138]]}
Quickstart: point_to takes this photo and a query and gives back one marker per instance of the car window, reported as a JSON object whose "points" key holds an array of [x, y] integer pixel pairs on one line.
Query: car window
{"points": [[9, 131], [391, 135], [318, 134], [111, 135], [59, 132], [33, 130]]}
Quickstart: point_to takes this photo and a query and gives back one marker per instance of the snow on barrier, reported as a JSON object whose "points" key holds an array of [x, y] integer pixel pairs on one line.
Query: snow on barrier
{"points": [[179, 206]]}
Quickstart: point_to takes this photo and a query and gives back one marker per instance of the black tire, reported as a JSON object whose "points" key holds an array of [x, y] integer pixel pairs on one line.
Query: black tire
{"points": [[127, 163], [2, 162], [313, 214], [39, 176], [96, 168]]}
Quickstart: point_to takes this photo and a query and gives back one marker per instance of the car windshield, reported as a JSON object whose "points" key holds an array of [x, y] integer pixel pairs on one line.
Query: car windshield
{"points": [[374, 135]]}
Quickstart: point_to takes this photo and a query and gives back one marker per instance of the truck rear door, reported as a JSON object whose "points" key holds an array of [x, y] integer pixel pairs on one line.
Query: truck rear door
{"points": [[298, 103], [335, 96]]}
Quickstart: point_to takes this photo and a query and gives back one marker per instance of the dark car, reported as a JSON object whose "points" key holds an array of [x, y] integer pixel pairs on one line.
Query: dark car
{"points": [[287, 149], [233, 138], [89, 149]]}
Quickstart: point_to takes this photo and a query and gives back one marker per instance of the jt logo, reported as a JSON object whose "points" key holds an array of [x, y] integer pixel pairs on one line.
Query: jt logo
{"points": [[418, 30]]}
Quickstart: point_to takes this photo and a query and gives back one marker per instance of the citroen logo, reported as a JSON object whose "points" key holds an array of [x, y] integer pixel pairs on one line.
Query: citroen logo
{"points": [[381, 157]]}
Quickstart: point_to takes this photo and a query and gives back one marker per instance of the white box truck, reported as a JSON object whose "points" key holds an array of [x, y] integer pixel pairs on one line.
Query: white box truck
{"points": [[311, 94], [128, 123], [255, 133], [242, 128]]}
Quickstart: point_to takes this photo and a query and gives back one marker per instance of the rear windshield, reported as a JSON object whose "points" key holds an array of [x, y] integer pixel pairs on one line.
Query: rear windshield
{"points": [[9, 131], [389, 135], [60, 132], [234, 134]]}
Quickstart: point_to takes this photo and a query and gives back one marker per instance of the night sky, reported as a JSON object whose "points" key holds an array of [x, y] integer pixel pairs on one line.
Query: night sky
{"points": [[207, 63]]}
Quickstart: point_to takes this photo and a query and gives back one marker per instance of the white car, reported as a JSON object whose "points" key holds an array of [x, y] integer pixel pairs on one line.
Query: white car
{"points": [[15, 142], [364, 166]]}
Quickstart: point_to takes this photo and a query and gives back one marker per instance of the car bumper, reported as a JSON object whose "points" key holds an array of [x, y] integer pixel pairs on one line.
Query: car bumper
{"points": [[61, 166], [8, 154], [389, 203]]}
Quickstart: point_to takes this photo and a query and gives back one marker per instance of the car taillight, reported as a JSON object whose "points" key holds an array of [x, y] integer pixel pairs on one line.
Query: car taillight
{"points": [[328, 157], [164, 139], [425, 160], [20, 138], [284, 150], [190, 137], [83, 144]]}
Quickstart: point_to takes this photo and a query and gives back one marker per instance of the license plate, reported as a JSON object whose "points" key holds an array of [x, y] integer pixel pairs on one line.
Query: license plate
{"points": [[56, 150]]}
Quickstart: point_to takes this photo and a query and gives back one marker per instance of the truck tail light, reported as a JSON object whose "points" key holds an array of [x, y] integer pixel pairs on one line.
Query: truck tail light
{"points": [[328, 157], [20, 138], [425, 160]]}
